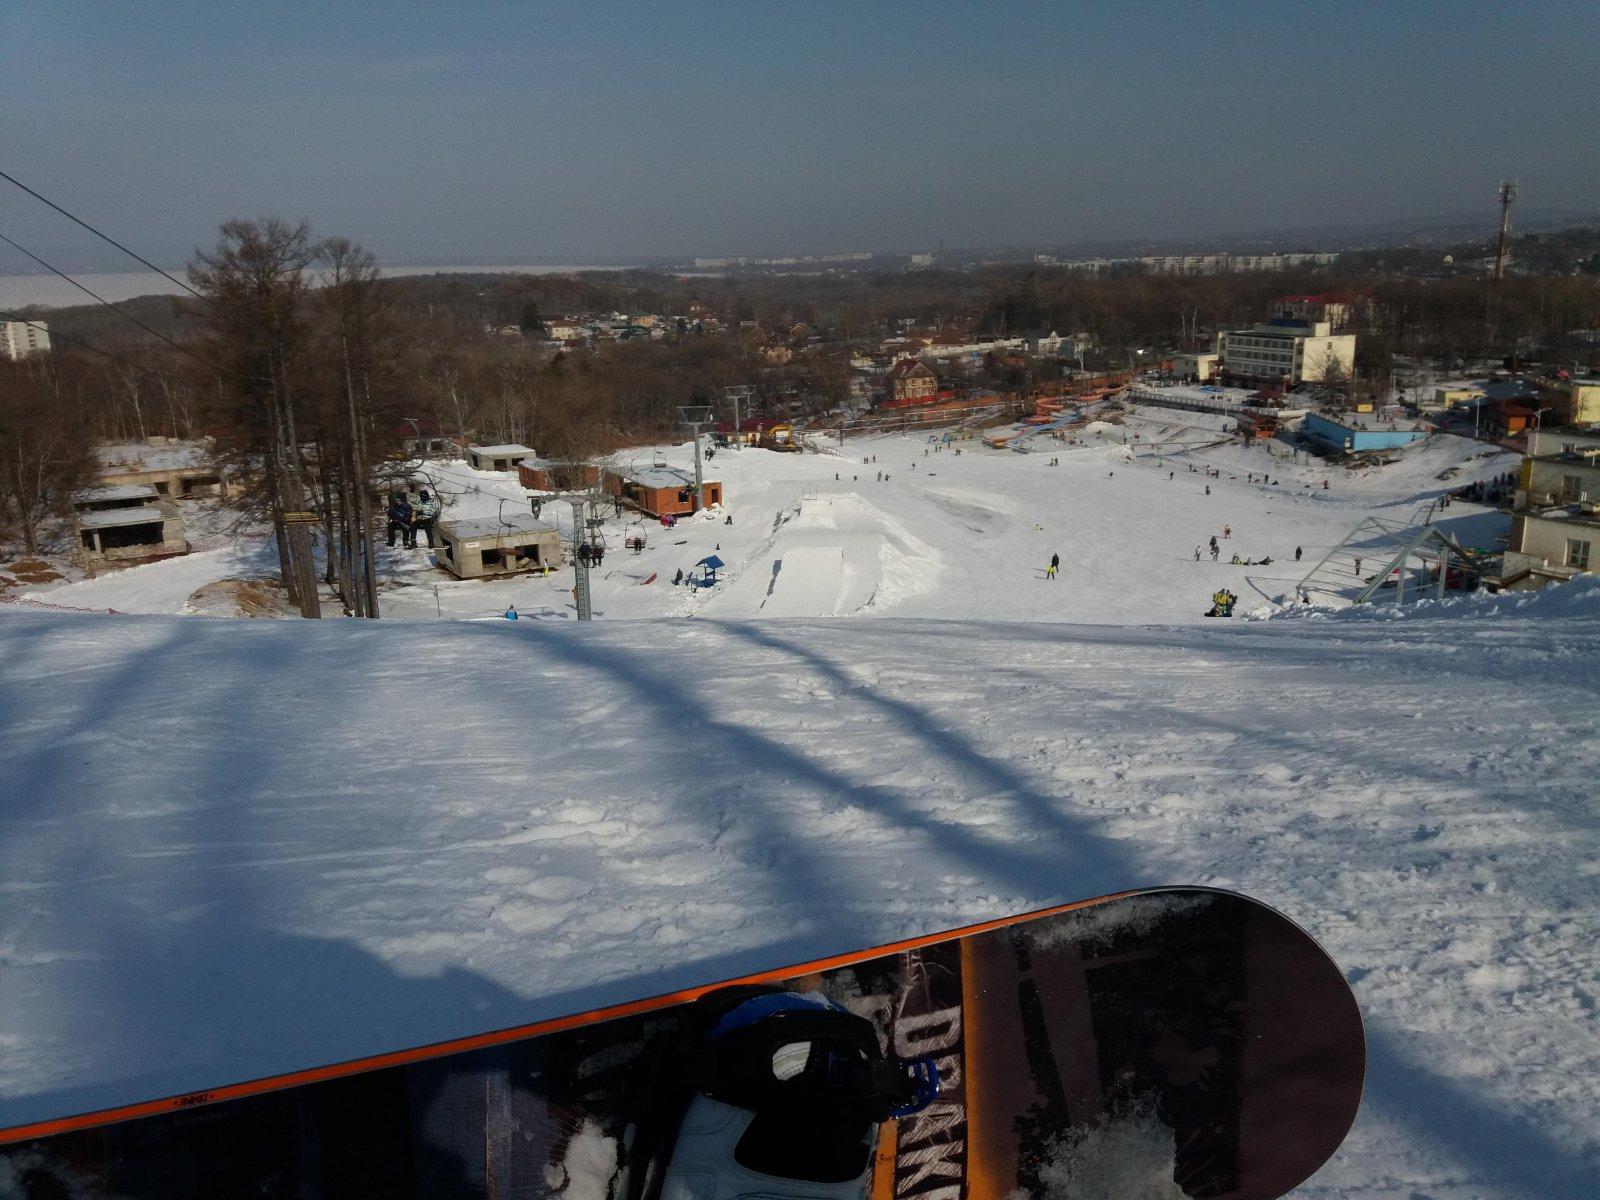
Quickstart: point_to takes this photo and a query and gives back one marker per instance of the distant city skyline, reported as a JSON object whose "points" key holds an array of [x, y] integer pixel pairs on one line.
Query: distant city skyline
{"points": [[556, 134]]}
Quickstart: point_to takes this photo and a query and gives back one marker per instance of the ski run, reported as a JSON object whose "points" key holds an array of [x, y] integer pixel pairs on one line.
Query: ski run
{"points": [[236, 847]]}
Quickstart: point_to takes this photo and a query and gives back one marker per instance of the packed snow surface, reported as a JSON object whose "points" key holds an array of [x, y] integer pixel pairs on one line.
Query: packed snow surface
{"points": [[918, 530], [230, 848]]}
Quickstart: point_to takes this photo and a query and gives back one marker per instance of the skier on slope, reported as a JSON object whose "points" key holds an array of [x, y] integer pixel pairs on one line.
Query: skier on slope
{"points": [[1055, 565], [1297, 554], [1197, 554]]}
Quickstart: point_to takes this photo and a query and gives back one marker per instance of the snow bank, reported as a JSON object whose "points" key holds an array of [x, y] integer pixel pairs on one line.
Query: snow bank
{"points": [[1577, 598]]}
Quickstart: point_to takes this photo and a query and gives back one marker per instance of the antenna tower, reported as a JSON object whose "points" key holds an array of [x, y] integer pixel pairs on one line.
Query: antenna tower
{"points": [[1508, 193]]}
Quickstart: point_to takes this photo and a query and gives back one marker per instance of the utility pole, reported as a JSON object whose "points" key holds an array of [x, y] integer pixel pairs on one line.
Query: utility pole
{"points": [[1508, 193], [695, 417]]}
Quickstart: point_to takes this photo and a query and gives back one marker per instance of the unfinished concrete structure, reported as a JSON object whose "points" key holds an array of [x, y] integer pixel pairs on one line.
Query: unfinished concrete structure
{"points": [[489, 548], [498, 458], [126, 522], [178, 470]]}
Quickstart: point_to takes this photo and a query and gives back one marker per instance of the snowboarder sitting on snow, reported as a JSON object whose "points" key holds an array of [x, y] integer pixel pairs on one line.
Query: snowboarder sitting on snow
{"points": [[1236, 561], [511, 613], [678, 578], [1222, 603]]}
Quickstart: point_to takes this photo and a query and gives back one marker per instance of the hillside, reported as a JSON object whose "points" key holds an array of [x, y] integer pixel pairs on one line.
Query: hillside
{"points": [[237, 847], [233, 847]]}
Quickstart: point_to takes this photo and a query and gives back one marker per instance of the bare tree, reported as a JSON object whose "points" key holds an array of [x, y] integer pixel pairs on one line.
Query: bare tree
{"points": [[45, 446], [254, 286]]}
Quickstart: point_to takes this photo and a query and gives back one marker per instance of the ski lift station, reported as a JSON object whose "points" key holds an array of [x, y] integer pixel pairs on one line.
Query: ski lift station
{"points": [[492, 548], [1349, 435], [498, 458], [661, 491]]}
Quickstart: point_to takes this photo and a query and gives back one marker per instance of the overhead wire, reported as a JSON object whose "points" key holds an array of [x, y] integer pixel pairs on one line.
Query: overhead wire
{"points": [[12, 179], [182, 349]]}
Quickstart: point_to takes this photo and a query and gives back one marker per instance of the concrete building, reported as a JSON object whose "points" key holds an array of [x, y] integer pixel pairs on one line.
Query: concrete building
{"points": [[19, 339], [515, 544], [1199, 367], [660, 491], [1062, 345], [498, 458], [126, 522], [1332, 307], [1575, 401], [1289, 351], [1352, 435], [1184, 264], [178, 470], [1555, 511]]}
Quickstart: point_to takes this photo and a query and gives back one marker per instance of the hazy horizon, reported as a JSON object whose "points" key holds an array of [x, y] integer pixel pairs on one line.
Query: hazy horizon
{"points": [[558, 135]]}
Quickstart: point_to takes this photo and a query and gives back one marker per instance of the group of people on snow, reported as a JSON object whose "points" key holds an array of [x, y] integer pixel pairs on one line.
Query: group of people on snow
{"points": [[406, 518], [1222, 602]]}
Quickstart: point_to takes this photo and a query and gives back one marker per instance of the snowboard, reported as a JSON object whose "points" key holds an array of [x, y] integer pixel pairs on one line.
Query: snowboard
{"points": [[1159, 1044]]}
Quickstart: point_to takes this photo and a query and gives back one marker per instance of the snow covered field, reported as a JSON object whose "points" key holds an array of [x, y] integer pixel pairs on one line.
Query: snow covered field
{"points": [[952, 536], [233, 847]]}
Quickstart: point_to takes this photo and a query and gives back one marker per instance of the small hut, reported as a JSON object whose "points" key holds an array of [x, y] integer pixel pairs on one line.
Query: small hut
{"points": [[516, 544]]}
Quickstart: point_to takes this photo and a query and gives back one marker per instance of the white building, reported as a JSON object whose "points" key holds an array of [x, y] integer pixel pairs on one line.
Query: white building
{"points": [[1291, 350], [1201, 368], [1185, 264], [19, 339], [1555, 516]]}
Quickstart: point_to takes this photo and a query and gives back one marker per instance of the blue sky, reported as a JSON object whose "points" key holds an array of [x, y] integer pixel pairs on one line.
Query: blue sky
{"points": [[589, 132]]}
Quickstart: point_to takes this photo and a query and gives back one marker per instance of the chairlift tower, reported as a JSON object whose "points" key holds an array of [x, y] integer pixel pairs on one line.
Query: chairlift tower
{"points": [[586, 529], [739, 394], [696, 417]]}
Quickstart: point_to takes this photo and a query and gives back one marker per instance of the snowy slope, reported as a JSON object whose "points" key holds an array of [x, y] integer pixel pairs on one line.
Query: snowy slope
{"points": [[949, 536], [230, 847]]}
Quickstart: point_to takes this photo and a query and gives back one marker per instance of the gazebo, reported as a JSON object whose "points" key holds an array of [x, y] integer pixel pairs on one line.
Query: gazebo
{"points": [[707, 568]]}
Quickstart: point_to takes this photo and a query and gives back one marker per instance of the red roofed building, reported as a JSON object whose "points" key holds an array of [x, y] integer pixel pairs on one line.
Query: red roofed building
{"points": [[910, 381]]}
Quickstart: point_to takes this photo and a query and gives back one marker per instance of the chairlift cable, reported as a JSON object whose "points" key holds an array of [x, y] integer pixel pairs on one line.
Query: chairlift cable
{"points": [[103, 236]]}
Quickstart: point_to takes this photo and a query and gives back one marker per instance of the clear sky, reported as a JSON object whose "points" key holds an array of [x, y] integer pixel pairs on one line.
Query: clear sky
{"points": [[584, 132]]}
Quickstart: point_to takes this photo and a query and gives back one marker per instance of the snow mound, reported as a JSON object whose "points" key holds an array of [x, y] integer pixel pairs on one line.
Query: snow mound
{"points": [[830, 555]]}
